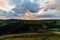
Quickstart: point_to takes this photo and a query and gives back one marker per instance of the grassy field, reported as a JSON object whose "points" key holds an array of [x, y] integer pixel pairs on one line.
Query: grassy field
{"points": [[30, 36]]}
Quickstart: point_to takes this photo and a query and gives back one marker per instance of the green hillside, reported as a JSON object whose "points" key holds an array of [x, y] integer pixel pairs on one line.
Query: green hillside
{"points": [[28, 29], [23, 26], [30, 21]]}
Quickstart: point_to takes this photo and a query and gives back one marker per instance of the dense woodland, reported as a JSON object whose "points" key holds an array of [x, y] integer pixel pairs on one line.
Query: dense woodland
{"points": [[23, 26]]}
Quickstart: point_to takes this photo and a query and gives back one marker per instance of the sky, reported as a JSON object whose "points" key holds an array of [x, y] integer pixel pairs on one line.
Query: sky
{"points": [[9, 9]]}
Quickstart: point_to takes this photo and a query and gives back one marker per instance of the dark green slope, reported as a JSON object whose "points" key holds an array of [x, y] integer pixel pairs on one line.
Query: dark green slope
{"points": [[13, 26], [30, 21]]}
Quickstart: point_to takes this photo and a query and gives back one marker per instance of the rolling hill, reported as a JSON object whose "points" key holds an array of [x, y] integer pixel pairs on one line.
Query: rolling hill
{"points": [[13, 26]]}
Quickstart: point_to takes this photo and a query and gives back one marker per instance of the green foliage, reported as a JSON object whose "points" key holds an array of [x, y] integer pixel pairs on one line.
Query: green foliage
{"points": [[21, 26]]}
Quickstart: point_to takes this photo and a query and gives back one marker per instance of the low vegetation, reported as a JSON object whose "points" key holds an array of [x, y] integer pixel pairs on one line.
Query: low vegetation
{"points": [[29, 30]]}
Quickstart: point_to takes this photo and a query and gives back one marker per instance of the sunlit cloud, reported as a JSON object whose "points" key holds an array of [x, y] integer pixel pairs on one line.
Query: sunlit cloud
{"points": [[6, 6], [36, 8]]}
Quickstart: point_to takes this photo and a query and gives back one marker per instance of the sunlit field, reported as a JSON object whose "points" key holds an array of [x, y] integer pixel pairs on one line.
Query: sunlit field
{"points": [[30, 36]]}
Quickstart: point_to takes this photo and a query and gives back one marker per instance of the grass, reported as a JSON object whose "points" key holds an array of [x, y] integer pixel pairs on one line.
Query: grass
{"points": [[26, 36], [30, 36], [23, 39]]}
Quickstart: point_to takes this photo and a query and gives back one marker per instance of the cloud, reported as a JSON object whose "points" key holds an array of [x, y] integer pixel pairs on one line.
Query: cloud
{"points": [[28, 5], [49, 9], [58, 5], [38, 8], [5, 5], [3, 17]]}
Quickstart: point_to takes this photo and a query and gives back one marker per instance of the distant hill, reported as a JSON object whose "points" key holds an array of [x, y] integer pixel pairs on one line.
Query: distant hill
{"points": [[13, 26], [29, 21]]}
